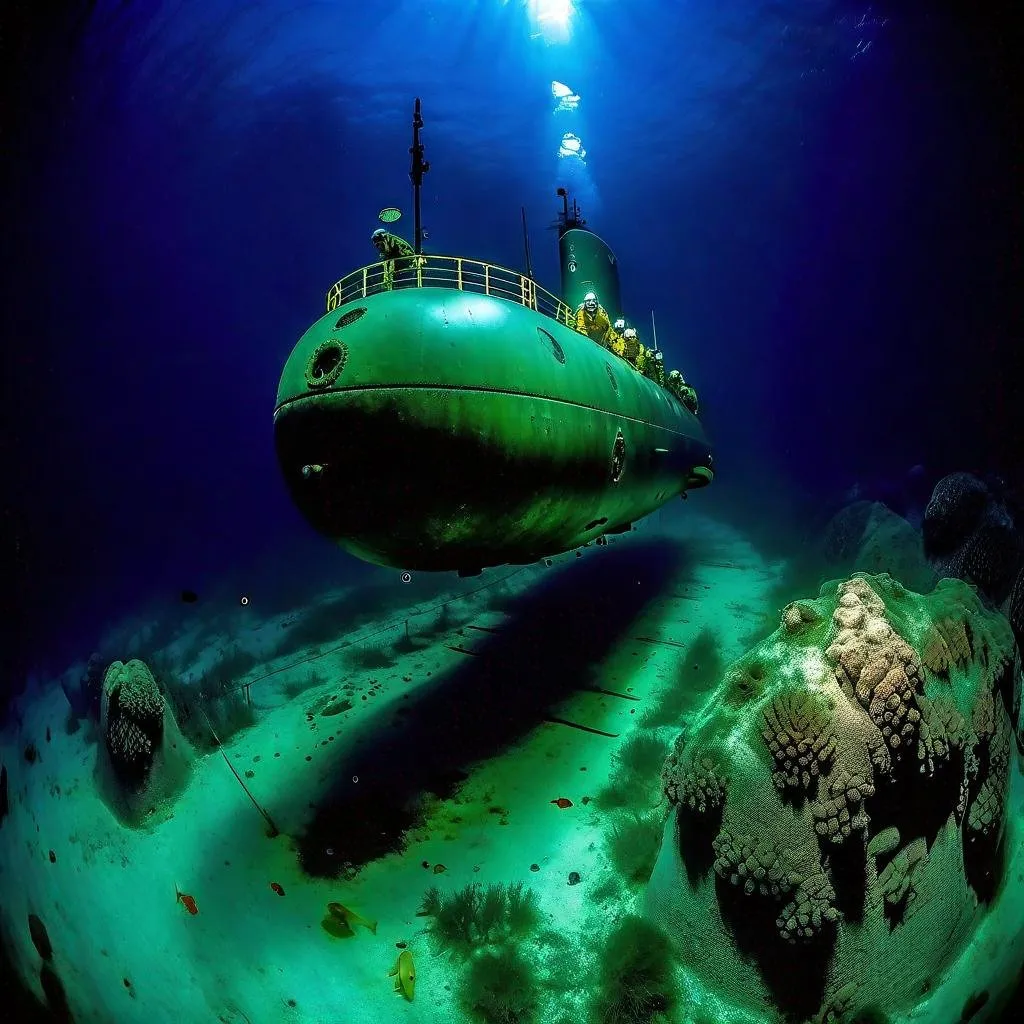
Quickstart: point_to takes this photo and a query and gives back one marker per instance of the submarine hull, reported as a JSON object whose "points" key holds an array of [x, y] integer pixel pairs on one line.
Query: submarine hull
{"points": [[464, 431]]}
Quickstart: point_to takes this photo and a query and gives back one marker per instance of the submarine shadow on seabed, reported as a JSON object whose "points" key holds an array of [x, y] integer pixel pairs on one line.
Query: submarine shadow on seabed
{"points": [[555, 634]]}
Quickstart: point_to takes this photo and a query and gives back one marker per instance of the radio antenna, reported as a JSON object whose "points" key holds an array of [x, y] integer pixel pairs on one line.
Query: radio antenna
{"points": [[419, 168]]}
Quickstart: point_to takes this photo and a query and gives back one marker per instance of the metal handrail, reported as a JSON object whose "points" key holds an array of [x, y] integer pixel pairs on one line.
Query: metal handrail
{"points": [[454, 272]]}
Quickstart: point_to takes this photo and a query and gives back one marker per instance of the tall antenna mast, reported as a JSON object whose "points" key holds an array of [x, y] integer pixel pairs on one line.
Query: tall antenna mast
{"points": [[419, 168], [654, 331], [526, 246]]}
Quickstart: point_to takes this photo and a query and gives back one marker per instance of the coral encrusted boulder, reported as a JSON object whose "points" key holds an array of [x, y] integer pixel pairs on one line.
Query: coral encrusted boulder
{"points": [[144, 761], [842, 836]]}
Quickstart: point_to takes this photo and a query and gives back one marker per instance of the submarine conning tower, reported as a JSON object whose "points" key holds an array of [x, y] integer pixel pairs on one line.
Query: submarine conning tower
{"points": [[586, 261]]}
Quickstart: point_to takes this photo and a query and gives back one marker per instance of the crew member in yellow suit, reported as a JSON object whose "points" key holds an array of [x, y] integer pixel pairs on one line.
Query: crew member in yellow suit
{"points": [[651, 363], [683, 391], [594, 322], [392, 248], [630, 342]]}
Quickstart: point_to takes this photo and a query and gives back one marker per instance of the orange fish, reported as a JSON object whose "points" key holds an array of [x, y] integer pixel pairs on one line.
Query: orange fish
{"points": [[276, 886], [188, 902], [562, 802]]}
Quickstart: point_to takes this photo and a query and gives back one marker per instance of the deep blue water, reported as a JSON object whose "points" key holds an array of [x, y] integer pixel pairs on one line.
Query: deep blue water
{"points": [[818, 199]]}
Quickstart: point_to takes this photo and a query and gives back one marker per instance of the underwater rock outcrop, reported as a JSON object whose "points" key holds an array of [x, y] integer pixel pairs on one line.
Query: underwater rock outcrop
{"points": [[970, 534], [867, 536], [840, 804], [143, 761]]}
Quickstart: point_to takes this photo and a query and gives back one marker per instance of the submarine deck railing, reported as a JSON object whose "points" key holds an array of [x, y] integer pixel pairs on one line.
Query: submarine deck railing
{"points": [[455, 272]]}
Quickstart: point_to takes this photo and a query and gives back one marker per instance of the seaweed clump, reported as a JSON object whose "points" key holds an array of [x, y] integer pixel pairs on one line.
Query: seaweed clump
{"points": [[466, 918], [500, 987], [634, 843], [638, 986], [635, 776], [500, 983]]}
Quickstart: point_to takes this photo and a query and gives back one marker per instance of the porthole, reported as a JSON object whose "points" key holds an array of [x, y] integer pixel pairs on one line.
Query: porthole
{"points": [[326, 363], [551, 344], [350, 317]]}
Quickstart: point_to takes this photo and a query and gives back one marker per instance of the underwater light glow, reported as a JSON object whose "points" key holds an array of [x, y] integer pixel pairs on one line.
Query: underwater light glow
{"points": [[567, 99], [572, 145], [550, 18]]}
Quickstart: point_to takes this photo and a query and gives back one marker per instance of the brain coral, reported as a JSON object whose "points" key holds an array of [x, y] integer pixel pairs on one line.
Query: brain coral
{"points": [[840, 802]]}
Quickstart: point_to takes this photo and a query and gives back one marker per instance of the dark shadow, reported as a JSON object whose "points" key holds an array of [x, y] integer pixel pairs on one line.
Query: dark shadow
{"points": [[915, 803], [796, 975], [984, 855], [848, 871], [56, 997], [695, 833], [1008, 686], [22, 1004], [556, 634]]}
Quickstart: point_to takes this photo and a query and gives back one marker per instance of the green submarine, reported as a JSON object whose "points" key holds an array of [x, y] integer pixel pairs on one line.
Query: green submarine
{"points": [[445, 414]]}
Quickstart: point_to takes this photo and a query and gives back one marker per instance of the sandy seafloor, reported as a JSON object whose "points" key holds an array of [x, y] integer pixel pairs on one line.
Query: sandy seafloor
{"points": [[126, 951]]}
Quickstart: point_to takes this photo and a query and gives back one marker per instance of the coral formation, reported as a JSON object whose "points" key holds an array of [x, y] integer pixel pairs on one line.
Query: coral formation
{"points": [[144, 761], [798, 731], [970, 533], [132, 719], [844, 789], [694, 779]]}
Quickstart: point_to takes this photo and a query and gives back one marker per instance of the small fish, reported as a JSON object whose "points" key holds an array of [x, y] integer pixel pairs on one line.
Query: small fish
{"points": [[350, 917], [439, 869], [405, 982], [277, 887], [189, 596], [562, 802], [188, 902]]}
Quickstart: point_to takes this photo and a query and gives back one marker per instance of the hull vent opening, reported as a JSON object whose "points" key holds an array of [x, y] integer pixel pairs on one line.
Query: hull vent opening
{"points": [[618, 457]]}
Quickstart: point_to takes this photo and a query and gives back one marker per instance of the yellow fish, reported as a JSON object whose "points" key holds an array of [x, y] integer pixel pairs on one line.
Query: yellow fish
{"points": [[350, 918], [406, 971]]}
